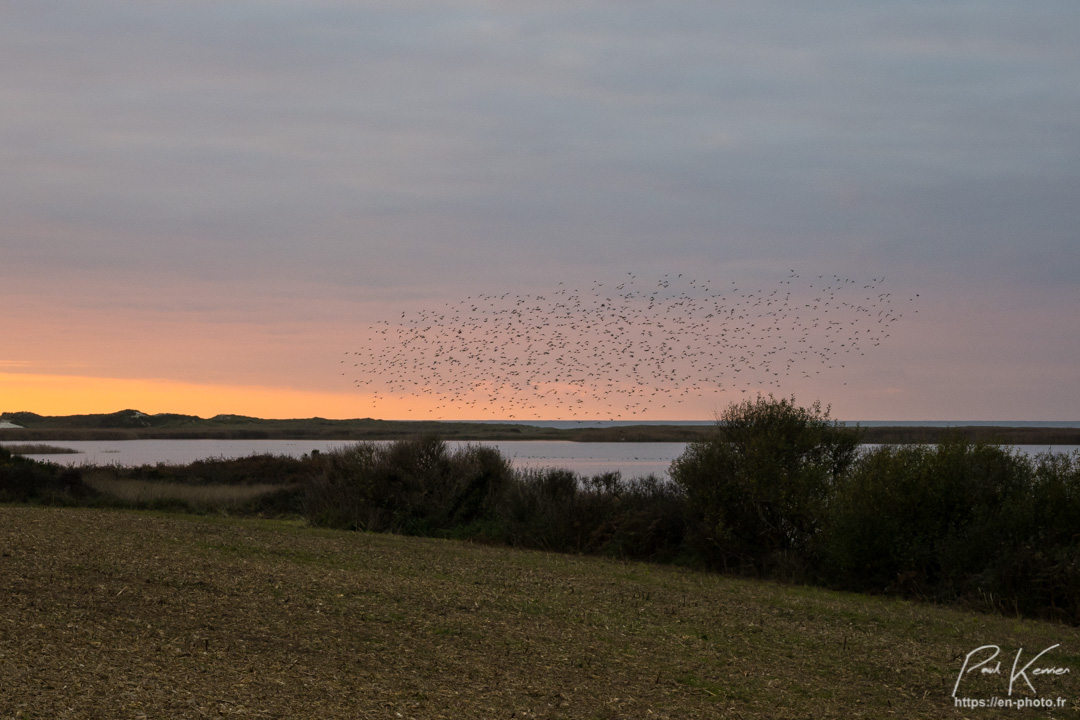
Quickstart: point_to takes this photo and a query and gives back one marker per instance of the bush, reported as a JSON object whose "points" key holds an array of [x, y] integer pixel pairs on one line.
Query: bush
{"points": [[23, 480], [559, 510], [645, 518], [758, 487], [410, 486], [960, 521], [1039, 573], [541, 509], [420, 487], [258, 469]]}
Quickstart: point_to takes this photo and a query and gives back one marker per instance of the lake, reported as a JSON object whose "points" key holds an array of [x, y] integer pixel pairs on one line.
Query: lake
{"points": [[629, 458]]}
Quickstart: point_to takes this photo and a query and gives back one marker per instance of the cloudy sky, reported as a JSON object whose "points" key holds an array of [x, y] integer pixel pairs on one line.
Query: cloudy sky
{"points": [[205, 204]]}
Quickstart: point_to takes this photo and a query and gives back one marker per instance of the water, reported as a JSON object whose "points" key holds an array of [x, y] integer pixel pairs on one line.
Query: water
{"points": [[632, 459], [576, 424], [177, 452]]}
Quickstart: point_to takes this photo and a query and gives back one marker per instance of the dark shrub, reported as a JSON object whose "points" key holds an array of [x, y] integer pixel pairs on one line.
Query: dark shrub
{"points": [[556, 509], [644, 518], [345, 494], [1038, 573], [478, 476], [758, 487], [539, 508], [955, 520], [251, 470], [408, 486], [883, 522], [23, 479]]}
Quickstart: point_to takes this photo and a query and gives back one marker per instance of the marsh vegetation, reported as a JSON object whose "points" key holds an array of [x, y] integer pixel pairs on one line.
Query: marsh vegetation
{"points": [[774, 491], [38, 449]]}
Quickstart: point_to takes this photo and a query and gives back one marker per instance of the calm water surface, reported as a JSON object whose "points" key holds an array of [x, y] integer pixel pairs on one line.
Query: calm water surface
{"points": [[630, 459]]}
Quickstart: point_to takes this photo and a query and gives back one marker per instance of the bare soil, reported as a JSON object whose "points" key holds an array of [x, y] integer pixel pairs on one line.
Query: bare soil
{"points": [[121, 614]]}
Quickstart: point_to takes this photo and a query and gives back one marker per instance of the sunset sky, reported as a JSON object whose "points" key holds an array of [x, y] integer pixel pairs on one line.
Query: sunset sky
{"points": [[205, 205]]}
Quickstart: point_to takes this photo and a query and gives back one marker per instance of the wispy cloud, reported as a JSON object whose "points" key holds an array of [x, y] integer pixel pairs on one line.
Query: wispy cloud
{"points": [[325, 150]]}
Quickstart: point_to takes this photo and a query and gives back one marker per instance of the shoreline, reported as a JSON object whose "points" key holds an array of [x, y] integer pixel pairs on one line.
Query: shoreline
{"points": [[357, 430]]}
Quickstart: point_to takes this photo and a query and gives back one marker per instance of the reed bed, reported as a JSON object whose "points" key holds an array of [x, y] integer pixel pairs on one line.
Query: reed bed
{"points": [[151, 492], [38, 449]]}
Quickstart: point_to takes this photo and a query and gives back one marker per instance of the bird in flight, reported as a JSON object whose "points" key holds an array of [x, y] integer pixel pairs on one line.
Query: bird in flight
{"points": [[624, 347]]}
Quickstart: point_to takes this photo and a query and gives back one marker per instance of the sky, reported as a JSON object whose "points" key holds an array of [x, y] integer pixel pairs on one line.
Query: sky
{"points": [[205, 207]]}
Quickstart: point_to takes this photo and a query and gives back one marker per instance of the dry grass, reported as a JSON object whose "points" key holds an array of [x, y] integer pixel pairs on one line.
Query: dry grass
{"points": [[38, 449], [138, 615], [148, 492]]}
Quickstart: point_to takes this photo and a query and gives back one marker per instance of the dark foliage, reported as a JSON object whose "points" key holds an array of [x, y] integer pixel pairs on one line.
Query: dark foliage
{"points": [[251, 470], [411, 486], [776, 490], [26, 480], [960, 522], [759, 486], [556, 509], [420, 487]]}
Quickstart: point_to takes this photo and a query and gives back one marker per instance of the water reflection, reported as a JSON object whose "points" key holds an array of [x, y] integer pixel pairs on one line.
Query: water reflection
{"points": [[629, 458]]}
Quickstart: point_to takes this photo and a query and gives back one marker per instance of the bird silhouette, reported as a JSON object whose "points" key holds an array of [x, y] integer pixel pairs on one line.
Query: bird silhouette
{"points": [[623, 347]]}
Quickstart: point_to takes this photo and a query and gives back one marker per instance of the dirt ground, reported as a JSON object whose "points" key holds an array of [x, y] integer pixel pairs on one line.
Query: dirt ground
{"points": [[111, 614]]}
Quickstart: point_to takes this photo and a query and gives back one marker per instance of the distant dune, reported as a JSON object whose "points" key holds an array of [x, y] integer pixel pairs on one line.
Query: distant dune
{"points": [[135, 425]]}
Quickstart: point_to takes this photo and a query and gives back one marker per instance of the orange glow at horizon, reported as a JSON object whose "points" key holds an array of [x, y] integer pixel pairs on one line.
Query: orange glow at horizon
{"points": [[77, 395], [81, 395]]}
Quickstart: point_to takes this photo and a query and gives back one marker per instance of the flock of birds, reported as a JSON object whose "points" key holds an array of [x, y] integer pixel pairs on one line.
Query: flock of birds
{"points": [[623, 348]]}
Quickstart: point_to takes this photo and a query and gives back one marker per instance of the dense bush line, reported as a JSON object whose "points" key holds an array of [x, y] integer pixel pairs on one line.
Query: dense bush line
{"points": [[776, 491], [779, 491], [419, 486], [24, 480], [959, 522]]}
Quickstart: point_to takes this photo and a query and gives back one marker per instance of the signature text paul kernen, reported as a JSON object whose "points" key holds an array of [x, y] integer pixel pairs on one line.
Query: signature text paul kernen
{"points": [[985, 664]]}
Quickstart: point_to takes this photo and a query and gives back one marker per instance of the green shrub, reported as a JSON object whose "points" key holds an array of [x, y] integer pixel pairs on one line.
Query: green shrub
{"points": [[883, 522], [539, 510], [26, 480], [414, 486], [959, 522], [559, 510], [1039, 572], [644, 518], [420, 487], [758, 487]]}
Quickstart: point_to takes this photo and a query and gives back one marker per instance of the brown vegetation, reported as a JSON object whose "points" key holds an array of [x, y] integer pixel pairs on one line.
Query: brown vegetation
{"points": [[38, 449], [135, 615]]}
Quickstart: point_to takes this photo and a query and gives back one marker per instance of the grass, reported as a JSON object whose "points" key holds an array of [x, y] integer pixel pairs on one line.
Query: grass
{"points": [[38, 449], [149, 492], [127, 614]]}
